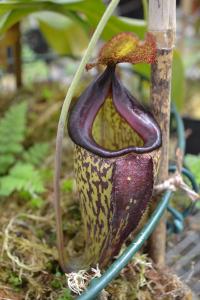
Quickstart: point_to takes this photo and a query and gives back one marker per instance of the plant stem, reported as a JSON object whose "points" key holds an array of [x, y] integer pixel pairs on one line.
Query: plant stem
{"points": [[61, 126], [162, 25]]}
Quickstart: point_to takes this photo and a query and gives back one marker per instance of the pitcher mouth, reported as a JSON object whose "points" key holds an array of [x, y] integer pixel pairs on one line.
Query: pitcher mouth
{"points": [[84, 112]]}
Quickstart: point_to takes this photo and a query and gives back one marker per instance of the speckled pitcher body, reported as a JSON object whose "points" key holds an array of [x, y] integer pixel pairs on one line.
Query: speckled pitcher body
{"points": [[116, 158]]}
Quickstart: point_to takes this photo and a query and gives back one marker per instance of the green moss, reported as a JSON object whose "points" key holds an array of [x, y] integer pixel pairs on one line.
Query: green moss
{"points": [[56, 283], [15, 281], [66, 295], [67, 185]]}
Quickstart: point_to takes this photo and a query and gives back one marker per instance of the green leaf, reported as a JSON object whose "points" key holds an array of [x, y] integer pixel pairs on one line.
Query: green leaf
{"points": [[11, 17], [7, 5], [12, 134], [66, 295], [12, 130], [93, 10], [143, 69], [36, 202], [22, 177], [36, 154], [14, 11], [118, 24], [6, 161], [63, 33], [67, 185], [193, 163]]}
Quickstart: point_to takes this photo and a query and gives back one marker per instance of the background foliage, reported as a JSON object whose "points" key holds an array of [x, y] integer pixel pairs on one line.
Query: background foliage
{"points": [[18, 166], [69, 33]]}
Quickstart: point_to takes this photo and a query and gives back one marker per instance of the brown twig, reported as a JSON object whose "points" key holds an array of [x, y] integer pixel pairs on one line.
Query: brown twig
{"points": [[176, 182]]}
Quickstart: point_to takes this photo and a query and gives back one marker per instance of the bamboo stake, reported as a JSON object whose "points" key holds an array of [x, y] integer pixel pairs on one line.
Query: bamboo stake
{"points": [[162, 24]]}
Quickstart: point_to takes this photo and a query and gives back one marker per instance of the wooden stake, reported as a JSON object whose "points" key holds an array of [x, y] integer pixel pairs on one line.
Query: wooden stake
{"points": [[162, 25]]}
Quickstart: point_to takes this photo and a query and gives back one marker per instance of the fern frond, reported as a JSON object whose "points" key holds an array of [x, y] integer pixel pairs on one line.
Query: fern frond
{"points": [[12, 134], [6, 161], [22, 177], [12, 129], [36, 154]]}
